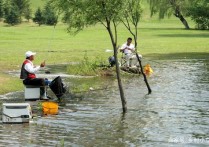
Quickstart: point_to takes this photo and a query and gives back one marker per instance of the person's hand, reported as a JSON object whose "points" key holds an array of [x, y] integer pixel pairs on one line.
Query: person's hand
{"points": [[122, 50], [43, 64]]}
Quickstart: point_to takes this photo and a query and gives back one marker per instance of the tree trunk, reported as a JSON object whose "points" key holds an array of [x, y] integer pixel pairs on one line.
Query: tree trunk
{"points": [[139, 60], [145, 78], [123, 99], [180, 16], [122, 96], [185, 23]]}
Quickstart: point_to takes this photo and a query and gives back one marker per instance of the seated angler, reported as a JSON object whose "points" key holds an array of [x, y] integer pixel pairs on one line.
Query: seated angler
{"points": [[129, 50], [28, 75]]}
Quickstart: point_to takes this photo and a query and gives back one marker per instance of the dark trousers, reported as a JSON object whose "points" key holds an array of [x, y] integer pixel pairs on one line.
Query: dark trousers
{"points": [[36, 82]]}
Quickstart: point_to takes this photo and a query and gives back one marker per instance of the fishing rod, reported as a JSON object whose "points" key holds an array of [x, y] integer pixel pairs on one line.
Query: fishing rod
{"points": [[165, 64]]}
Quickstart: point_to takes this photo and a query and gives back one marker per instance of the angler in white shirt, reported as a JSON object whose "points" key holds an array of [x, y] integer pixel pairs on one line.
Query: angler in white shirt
{"points": [[28, 75], [128, 49]]}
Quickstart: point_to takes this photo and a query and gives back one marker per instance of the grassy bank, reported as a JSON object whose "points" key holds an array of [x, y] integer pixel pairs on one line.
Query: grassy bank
{"points": [[57, 46]]}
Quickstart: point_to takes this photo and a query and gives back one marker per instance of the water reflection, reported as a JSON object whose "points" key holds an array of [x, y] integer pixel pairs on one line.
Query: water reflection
{"points": [[175, 114]]}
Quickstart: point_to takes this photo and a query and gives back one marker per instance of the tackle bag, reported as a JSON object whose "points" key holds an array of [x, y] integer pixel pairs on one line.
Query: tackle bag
{"points": [[111, 60], [57, 87]]}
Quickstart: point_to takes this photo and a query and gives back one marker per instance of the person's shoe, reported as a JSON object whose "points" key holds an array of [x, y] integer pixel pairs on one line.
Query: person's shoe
{"points": [[49, 97], [43, 98]]}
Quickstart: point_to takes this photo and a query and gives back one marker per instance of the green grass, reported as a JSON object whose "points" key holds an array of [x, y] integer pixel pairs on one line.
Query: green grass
{"points": [[37, 3], [57, 46]]}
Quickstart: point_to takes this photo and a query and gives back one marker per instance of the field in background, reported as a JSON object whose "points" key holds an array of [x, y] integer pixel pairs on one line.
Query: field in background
{"points": [[37, 3], [55, 45]]}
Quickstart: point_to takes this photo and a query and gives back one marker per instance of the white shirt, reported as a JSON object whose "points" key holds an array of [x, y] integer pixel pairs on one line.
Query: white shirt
{"points": [[31, 68], [127, 51]]}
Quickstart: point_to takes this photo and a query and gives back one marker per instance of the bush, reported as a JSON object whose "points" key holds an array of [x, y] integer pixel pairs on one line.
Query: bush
{"points": [[199, 14], [84, 68], [38, 18], [12, 16], [1, 9], [49, 15]]}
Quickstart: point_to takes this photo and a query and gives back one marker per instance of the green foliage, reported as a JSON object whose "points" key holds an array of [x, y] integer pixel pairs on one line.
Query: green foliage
{"points": [[168, 7], [49, 15], [22, 5], [15, 8], [84, 13], [12, 15], [6, 7], [46, 16], [131, 16], [199, 12], [1, 9], [85, 67], [28, 13], [38, 18], [134, 11], [62, 142]]}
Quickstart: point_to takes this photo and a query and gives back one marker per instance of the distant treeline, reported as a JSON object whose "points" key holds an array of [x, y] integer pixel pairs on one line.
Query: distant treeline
{"points": [[14, 12]]}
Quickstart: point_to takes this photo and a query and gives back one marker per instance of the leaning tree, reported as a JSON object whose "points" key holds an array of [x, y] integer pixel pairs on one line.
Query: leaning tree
{"points": [[168, 7], [79, 14], [130, 18]]}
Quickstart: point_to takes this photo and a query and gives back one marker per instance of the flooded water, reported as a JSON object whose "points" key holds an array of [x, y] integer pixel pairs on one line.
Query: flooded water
{"points": [[175, 114]]}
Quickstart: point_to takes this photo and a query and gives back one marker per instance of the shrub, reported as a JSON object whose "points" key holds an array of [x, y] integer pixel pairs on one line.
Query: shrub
{"points": [[12, 16], [199, 14], [38, 18]]}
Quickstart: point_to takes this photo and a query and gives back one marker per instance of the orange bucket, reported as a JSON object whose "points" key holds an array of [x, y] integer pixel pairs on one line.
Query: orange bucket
{"points": [[50, 108]]}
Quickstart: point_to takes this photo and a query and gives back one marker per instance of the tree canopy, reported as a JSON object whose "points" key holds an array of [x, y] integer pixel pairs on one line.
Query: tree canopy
{"points": [[168, 7], [1, 9], [83, 13], [199, 12]]}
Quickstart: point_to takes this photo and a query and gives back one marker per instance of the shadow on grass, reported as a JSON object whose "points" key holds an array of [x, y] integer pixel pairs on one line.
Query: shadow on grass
{"points": [[192, 35], [158, 29], [193, 55]]}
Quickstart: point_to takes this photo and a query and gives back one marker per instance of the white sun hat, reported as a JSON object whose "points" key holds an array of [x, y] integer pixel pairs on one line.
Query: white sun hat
{"points": [[29, 53]]}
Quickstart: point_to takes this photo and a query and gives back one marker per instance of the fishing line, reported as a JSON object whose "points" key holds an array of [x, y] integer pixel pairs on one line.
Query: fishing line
{"points": [[52, 38], [165, 64]]}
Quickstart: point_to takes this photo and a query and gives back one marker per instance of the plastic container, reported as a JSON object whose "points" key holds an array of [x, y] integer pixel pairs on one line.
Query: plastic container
{"points": [[50, 108], [16, 113]]}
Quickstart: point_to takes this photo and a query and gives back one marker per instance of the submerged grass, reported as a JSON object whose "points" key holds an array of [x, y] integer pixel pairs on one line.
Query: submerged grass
{"points": [[88, 67], [85, 67]]}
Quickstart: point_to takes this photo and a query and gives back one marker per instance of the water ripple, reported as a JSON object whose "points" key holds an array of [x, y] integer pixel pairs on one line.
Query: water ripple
{"points": [[175, 114]]}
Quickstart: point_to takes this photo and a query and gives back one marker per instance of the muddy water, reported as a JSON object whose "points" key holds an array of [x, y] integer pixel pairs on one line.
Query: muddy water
{"points": [[175, 114]]}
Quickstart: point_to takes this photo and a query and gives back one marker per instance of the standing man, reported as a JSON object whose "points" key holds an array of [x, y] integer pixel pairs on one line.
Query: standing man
{"points": [[128, 49], [28, 71]]}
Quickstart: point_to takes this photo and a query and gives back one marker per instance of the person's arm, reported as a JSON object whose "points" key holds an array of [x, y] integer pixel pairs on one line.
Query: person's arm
{"points": [[29, 67], [131, 48], [123, 48]]}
